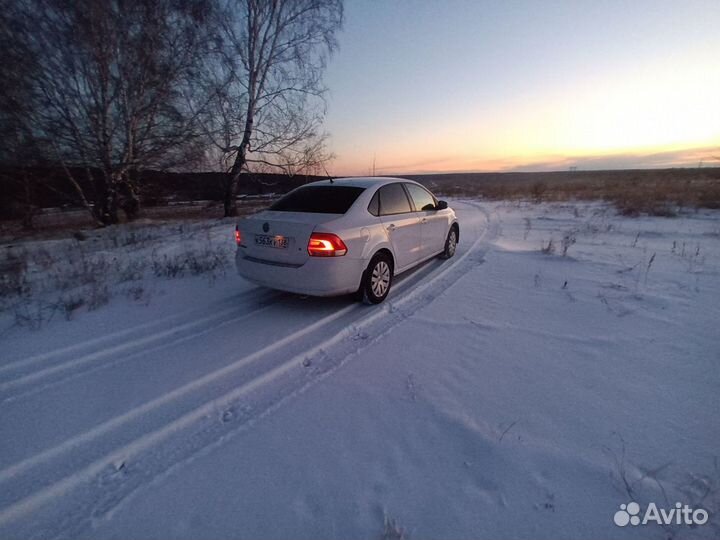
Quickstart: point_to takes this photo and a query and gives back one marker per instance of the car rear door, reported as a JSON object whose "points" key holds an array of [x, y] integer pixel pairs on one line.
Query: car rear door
{"points": [[433, 224], [401, 224]]}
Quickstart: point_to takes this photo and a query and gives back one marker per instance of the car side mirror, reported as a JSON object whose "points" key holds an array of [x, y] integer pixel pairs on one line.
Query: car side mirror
{"points": [[441, 205]]}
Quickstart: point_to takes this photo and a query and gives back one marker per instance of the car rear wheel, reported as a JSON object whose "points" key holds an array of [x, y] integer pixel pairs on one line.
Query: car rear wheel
{"points": [[377, 279], [450, 244]]}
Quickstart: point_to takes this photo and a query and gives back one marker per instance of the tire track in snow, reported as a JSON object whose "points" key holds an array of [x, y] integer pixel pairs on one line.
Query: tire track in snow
{"points": [[142, 442], [108, 338], [199, 427], [29, 383]]}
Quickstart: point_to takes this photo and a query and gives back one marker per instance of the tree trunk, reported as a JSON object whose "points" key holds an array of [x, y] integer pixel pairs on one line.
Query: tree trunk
{"points": [[231, 188], [130, 202], [107, 213], [230, 195], [29, 208], [93, 210]]}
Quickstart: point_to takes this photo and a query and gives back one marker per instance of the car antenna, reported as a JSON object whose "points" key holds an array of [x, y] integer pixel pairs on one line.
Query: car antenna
{"points": [[327, 174]]}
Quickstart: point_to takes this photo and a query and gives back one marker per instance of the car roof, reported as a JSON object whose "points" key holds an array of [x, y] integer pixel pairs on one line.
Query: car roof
{"points": [[361, 181]]}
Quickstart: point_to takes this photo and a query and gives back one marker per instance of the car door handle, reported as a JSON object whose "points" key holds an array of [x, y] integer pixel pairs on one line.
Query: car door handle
{"points": [[391, 227], [423, 220]]}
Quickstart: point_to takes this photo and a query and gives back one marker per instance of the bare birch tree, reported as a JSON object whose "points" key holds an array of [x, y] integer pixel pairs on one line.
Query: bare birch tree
{"points": [[108, 85], [266, 81]]}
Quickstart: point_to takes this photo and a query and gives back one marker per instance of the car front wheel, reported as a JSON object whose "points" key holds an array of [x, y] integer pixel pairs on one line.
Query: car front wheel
{"points": [[450, 244], [377, 279]]}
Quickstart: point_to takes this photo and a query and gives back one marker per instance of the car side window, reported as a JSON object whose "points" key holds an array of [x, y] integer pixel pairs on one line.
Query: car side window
{"points": [[393, 200], [422, 198], [374, 206]]}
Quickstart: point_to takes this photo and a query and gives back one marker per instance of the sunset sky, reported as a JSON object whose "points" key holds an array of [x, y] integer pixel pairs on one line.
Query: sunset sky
{"points": [[442, 86]]}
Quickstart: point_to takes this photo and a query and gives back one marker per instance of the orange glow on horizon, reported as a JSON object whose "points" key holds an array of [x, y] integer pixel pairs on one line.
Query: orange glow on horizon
{"points": [[648, 116], [707, 155]]}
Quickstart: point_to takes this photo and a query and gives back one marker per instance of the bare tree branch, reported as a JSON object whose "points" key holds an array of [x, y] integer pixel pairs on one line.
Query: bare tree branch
{"points": [[270, 109], [107, 88]]}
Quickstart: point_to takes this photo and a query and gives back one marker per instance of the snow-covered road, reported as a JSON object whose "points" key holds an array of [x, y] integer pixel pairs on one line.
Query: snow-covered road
{"points": [[505, 392]]}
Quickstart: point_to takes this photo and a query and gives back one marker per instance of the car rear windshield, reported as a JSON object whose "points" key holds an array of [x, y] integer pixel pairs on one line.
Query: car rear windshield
{"points": [[319, 199]]}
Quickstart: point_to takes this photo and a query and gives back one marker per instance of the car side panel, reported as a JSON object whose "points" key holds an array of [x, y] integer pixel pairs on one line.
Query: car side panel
{"points": [[435, 226], [403, 231]]}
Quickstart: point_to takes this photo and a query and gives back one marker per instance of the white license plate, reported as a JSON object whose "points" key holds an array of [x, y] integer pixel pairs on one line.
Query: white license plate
{"points": [[280, 242]]}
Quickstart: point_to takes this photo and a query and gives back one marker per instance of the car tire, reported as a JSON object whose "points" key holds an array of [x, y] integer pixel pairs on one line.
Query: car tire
{"points": [[377, 279], [450, 243]]}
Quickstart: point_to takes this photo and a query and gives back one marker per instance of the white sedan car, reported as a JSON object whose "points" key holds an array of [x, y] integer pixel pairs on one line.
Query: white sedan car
{"points": [[343, 236]]}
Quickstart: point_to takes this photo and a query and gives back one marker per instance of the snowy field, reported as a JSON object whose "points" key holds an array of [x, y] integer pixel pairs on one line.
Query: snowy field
{"points": [[565, 362]]}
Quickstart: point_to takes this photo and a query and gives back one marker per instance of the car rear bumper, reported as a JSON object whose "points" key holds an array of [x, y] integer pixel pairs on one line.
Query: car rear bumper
{"points": [[318, 276]]}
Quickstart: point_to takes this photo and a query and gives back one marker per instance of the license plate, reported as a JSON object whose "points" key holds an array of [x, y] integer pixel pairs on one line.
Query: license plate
{"points": [[280, 242]]}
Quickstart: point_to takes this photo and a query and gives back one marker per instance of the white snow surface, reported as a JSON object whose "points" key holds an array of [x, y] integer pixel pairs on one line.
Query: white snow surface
{"points": [[505, 393]]}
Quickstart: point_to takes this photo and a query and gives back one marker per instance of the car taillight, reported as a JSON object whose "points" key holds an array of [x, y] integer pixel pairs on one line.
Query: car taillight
{"points": [[238, 236], [326, 245]]}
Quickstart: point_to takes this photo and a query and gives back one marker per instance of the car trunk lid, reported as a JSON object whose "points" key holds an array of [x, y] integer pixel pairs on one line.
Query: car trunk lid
{"points": [[280, 237]]}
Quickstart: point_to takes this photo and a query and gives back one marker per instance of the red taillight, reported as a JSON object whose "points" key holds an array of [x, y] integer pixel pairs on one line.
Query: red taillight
{"points": [[326, 245], [238, 236]]}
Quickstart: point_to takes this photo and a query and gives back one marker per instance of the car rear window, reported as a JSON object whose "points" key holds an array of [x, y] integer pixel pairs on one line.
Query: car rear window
{"points": [[319, 199]]}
